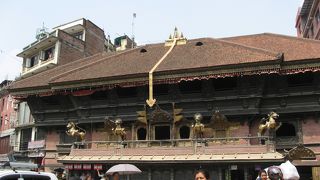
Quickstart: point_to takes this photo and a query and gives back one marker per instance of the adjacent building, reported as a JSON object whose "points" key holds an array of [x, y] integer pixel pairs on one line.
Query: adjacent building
{"points": [[308, 20], [64, 44], [8, 114], [157, 92]]}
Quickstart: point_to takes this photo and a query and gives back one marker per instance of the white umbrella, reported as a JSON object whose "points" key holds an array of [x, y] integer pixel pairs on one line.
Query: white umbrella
{"points": [[123, 169]]}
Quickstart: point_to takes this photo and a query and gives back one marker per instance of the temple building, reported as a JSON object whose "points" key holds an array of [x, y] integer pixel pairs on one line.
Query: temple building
{"points": [[232, 106]]}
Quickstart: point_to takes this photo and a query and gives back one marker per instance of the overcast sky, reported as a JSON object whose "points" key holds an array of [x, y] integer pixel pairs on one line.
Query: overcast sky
{"points": [[154, 21]]}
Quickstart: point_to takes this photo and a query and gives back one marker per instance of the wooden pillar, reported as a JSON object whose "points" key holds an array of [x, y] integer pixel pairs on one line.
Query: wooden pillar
{"points": [[315, 172], [171, 174], [245, 173], [220, 174]]}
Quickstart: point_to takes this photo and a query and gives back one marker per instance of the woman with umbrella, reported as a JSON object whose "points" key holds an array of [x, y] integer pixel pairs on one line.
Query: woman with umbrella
{"points": [[122, 169], [116, 176]]}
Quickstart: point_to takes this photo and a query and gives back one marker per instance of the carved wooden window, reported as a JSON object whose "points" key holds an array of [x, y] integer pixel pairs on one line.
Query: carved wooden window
{"points": [[162, 132], [285, 130], [184, 132], [142, 133]]}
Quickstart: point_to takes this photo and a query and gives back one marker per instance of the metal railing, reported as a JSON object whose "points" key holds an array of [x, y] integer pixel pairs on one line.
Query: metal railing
{"points": [[207, 142]]}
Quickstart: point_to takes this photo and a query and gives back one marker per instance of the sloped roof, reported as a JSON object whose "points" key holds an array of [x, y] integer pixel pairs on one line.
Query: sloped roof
{"points": [[212, 53], [294, 48], [212, 58]]}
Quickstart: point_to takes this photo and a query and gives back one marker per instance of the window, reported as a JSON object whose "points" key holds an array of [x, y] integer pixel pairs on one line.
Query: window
{"points": [[34, 60], [79, 35], [286, 129], [142, 133], [184, 132], [48, 54], [162, 132]]}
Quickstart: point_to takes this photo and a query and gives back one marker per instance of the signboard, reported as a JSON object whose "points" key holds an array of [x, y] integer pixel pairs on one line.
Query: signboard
{"points": [[86, 166], [36, 153], [97, 166], [69, 166], [77, 166], [4, 158], [233, 167], [36, 144]]}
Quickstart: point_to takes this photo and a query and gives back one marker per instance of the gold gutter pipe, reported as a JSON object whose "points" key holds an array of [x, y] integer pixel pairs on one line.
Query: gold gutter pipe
{"points": [[151, 101]]}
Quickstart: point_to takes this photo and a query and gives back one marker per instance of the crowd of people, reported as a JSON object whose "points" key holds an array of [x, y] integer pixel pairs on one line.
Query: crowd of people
{"points": [[89, 176], [283, 172]]}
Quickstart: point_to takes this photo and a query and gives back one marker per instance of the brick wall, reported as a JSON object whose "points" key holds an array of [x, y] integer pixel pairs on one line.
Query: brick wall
{"points": [[311, 131], [52, 140], [94, 40], [6, 111], [71, 48]]}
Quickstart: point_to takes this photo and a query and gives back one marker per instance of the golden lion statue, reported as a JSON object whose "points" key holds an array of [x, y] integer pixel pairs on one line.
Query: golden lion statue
{"points": [[198, 127], [269, 123], [74, 130]]}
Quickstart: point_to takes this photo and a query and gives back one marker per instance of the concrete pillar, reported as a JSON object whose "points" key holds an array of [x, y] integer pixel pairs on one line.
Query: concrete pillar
{"points": [[33, 133]]}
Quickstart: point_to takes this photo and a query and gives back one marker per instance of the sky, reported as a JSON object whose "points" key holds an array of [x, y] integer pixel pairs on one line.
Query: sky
{"points": [[155, 20]]}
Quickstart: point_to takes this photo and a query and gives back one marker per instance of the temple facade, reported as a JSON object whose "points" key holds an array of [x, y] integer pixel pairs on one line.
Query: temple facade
{"points": [[232, 106]]}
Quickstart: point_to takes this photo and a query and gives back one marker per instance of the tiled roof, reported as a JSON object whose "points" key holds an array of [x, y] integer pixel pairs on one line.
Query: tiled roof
{"points": [[261, 53], [172, 155], [293, 48]]}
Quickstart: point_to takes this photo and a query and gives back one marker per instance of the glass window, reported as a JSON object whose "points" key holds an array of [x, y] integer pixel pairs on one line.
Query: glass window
{"points": [[34, 60], [79, 35], [49, 53]]}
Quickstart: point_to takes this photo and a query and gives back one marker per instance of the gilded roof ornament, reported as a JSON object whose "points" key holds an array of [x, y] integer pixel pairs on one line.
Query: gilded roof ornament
{"points": [[178, 36]]}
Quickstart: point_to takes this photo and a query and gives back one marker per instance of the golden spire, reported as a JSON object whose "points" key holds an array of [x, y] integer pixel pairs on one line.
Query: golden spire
{"points": [[178, 36]]}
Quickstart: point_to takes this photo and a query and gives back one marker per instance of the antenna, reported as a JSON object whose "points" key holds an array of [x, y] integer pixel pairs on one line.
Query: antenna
{"points": [[134, 15]]}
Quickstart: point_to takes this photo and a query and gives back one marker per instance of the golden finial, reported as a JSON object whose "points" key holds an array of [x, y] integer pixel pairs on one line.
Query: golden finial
{"points": [[178, 36]]}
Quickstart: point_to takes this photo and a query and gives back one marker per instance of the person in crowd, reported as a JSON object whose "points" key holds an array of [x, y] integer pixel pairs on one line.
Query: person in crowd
{"points": [[83, 176], [116, 176], [89, 177], [201, 174], [275, 173], [102, 176], [262, 175]]}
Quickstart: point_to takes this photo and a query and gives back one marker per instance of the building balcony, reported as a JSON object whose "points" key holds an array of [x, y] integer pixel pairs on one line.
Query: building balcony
{"points": [[177, 150]]}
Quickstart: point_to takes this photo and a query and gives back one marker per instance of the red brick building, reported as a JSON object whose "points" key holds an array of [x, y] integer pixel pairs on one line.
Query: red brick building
{"points": [[232, 82], [8, 115], [308, 20]]}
